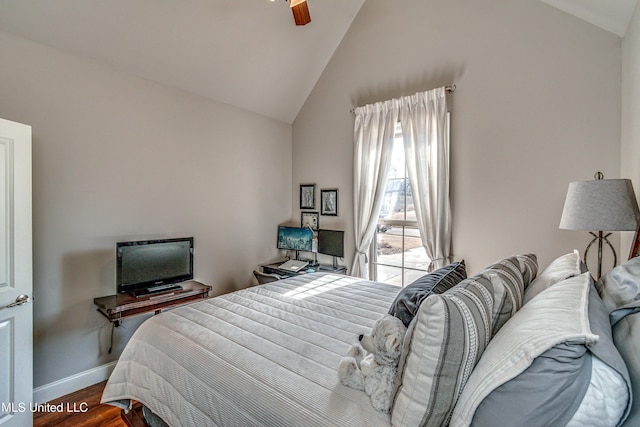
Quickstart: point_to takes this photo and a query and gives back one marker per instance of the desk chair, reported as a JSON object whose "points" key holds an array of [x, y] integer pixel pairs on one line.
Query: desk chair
{"points": [[265, 278]]}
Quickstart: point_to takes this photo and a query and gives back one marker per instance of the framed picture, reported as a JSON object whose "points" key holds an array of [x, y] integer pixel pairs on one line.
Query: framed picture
{"points": [[307, 196], [329, 202], [310, 218]]}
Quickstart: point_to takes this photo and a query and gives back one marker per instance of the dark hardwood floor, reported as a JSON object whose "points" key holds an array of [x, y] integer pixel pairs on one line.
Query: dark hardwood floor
{"points": [[81, 409]]}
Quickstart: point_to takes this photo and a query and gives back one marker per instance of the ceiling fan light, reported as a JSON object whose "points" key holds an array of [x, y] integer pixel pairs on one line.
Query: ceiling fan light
{"points": [[300, 12]]}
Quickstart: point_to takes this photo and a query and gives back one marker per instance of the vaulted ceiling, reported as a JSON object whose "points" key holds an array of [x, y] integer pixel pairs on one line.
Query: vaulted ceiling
{"points": [[611, 15], [246, 53]]}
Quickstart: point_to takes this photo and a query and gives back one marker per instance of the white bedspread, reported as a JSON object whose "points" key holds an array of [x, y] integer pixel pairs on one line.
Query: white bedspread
{"points": [[266, 355]]}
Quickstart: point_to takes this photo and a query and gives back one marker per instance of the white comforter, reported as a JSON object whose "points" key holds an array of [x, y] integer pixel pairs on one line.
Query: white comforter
{"points": [[265, 355]]}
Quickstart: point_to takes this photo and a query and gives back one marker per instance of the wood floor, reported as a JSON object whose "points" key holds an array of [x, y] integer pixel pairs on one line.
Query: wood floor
{"points": [[87, 400]]}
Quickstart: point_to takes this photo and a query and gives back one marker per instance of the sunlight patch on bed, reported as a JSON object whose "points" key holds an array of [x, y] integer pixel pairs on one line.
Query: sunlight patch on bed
{"points": [[320, 285]]}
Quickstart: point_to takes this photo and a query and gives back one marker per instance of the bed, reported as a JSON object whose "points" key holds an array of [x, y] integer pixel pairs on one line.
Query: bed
{"points": [[268, 354], [265, 355]]}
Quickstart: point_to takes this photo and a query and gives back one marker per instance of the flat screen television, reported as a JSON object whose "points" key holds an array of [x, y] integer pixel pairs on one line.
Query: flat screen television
{"points": [[147, 266], [295, 238]]}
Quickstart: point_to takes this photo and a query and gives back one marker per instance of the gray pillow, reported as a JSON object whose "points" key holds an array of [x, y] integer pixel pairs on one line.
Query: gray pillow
{"points": [[551, 389], [559, 316], [626, 334], [408, 300]]}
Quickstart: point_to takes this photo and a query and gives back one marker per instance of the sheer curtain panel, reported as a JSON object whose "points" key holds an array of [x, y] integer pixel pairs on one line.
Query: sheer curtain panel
{"points": [[423, 118], [373, 144]]}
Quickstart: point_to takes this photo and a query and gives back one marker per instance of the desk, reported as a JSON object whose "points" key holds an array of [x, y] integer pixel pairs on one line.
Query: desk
{"points": [[322, 268]]}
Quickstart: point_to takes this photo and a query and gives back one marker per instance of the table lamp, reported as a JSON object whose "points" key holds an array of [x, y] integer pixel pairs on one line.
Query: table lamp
{"points": [[600, 205]]}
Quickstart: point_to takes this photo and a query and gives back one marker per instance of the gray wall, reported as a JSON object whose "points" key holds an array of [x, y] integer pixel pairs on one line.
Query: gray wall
{"points": [[118, 158], [630, 152], [537, 105]]}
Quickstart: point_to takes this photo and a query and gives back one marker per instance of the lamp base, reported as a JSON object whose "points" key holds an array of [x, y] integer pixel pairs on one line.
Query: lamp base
{"points": [[635, 245], [600, 238]]}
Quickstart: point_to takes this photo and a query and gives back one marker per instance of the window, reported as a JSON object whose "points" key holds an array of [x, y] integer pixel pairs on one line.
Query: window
{"points": [[397, 254]]}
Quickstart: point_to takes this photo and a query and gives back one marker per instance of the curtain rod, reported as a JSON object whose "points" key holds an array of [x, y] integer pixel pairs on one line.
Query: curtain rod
{"points": [[449, 89]]}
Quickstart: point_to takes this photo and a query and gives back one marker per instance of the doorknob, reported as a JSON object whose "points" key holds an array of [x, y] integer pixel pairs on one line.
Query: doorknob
{"points": [[22, 299]]}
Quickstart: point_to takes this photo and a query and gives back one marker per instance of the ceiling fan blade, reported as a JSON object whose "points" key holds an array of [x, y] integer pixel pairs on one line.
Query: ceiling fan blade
{"points": [[300, 11]]}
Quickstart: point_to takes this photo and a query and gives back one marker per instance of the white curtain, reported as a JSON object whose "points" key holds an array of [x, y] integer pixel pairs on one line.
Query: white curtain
{"points": [[423, 118], [373, 143]]}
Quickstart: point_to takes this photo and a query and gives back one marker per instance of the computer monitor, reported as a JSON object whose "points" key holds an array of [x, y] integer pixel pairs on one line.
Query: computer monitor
{"points": [[331, 242], [295, 239]]}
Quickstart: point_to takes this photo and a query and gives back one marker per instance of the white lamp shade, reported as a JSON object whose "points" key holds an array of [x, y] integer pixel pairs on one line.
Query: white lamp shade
{"points": [[600, 205]]}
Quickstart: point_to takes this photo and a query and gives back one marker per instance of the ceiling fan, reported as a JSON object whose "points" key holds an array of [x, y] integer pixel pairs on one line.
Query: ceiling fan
{"points": [[300, 12]]}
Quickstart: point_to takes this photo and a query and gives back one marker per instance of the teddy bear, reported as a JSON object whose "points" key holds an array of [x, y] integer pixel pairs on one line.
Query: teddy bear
{"points": [[371, 364]]}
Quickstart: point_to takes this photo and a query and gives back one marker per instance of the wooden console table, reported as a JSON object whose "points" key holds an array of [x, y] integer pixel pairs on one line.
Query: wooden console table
{"points": [[119, 306]]}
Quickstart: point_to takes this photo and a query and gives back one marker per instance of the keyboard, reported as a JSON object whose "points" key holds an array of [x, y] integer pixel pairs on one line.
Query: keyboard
{"points": [[293, 265]]}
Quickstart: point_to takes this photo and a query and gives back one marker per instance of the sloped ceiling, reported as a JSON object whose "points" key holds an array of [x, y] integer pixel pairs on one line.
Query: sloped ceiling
{"points": [[611, 15], [246, 53]]}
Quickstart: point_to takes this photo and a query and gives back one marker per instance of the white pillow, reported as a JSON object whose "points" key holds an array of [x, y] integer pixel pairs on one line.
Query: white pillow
{"points": [[561, 268], [620, 290], [560, 315]]}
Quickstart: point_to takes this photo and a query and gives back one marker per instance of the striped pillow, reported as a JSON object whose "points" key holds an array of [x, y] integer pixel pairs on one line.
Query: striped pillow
{"points": [[509, 278], [442, 346], [528, 268]]}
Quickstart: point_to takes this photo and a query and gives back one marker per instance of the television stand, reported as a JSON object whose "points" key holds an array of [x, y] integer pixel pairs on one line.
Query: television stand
{"points": [[120, 306]]}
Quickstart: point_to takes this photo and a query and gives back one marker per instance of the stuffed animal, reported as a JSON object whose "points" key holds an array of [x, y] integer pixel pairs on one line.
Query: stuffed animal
{"points": [[374, 372]]}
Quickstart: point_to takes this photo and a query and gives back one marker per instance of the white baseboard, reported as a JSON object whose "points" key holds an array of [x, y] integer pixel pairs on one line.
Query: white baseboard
{"points": [[73, 383]]}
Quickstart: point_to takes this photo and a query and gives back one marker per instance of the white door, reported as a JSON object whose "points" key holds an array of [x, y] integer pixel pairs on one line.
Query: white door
{"points": [[16, 277]]}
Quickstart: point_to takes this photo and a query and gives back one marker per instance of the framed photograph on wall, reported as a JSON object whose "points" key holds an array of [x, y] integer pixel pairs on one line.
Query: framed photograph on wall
{"points": [[310, 218], [307, 196], [329, 202]]}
